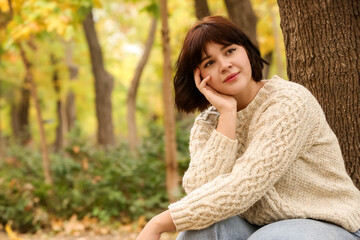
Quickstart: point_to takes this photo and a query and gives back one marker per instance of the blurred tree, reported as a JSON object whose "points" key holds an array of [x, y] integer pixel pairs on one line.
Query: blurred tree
{"points": [[30, 19], [242, 14], [19, 110], [44, 151], [70, 97], [2, 148], [103, 85], [169, 111], [22, 113], [201, 9], [59, 136], [322, 41], [14, 119], [131, 98]]}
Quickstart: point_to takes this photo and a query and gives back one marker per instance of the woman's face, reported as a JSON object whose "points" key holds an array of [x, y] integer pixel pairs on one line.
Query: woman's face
{"points": [[228, 67]]}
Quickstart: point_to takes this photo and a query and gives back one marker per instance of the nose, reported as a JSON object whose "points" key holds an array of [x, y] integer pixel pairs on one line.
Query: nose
{"points": [[225, 66]]}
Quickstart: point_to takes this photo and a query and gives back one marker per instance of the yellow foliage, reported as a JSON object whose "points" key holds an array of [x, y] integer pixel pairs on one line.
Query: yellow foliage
{"points": [[34, 16], [11, 234], [21, 32], [4, 6], [97, 4], [17, 5]]}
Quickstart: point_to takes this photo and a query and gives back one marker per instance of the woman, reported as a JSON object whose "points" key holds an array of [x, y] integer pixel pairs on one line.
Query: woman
{"points": [[264, 162]]}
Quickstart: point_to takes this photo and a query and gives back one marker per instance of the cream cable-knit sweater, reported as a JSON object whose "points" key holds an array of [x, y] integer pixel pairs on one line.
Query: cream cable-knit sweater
{"points": [[285, 163]]}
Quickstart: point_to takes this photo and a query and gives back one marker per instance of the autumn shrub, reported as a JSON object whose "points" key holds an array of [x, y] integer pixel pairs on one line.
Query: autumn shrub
{"points": [[112, 185], [20, 172]]}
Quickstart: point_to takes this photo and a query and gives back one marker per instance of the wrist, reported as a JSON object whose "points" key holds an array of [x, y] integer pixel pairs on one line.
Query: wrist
{"points": [[162, 222], [227, 124], [227, 110]]}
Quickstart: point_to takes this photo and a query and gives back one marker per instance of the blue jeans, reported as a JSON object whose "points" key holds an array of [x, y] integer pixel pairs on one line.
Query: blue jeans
{"points": [[236, 228]]}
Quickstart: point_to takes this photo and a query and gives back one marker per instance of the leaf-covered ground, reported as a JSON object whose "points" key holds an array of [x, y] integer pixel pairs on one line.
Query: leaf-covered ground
{"points": [[85, 229], [82, 236]]}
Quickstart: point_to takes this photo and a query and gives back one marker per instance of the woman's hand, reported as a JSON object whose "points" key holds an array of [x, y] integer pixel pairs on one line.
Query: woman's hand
{"points": [[157, 225], [223, 103]]}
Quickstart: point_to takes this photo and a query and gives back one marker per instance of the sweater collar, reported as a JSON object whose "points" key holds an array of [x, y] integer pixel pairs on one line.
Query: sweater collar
{"points": [[259, 98]]}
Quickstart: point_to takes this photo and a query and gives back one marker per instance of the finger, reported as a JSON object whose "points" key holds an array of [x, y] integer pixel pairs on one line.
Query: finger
{"points": [[197, 77], [204, 82]]}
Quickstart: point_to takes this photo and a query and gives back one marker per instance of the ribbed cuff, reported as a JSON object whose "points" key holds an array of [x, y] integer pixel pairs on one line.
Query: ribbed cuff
{"points": [[180, 217], [225, 149]]}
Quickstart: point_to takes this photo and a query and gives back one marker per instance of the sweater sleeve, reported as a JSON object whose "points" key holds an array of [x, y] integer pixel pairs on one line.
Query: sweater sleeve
{"points": [[211, 152], [282, 132]]}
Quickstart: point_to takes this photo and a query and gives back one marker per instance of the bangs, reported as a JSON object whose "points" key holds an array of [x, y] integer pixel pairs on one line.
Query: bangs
{"points": [[198, 39], [211, 35]]}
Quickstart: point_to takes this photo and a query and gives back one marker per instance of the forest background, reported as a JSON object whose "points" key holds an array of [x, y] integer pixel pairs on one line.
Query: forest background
{"points": [[87, 125]]}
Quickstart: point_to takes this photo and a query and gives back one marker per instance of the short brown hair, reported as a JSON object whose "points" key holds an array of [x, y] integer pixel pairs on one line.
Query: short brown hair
{"points": [[214, 29]]}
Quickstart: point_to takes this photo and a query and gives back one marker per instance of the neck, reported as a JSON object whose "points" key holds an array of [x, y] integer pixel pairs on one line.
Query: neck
{"points": [[244, 99]]}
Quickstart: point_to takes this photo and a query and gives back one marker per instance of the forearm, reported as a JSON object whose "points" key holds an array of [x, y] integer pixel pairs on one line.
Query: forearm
{"points": [[156, 226], [163, 222], [212, 152], [227, 124]]}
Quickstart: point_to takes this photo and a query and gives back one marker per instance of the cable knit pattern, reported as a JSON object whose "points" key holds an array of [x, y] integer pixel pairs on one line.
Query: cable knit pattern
{"points": [[285, 163]]}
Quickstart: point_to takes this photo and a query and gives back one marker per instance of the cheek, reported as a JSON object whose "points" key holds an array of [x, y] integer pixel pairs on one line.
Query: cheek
{"points": [[204, 73]]}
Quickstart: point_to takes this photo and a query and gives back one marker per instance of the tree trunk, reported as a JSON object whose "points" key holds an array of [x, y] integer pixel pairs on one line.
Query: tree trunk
{"points": [[103, 85], [169, 116], [70, 110], [242, 14], [131, 99], [14, 121], [201, 9], [59, 129], [23, 112], [322, 41], [20, 115], [1, 134], [45, 155]]}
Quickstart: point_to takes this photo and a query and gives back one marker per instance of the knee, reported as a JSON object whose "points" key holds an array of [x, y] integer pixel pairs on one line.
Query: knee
{"points": [[206, 233], [302, 229], [282, 230], [231, 228]]}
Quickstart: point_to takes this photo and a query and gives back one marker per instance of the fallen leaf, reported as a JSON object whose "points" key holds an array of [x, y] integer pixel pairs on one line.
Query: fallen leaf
{"points": [[141, 222], [76, 149], [85, 164], [11, 234]]}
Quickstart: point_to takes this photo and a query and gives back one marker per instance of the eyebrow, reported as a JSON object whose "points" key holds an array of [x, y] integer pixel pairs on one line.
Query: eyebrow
{"points": [[207, 56]]}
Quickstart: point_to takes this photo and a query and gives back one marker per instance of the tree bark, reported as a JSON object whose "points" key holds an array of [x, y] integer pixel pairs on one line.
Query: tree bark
{"points": [[103, 85], [23, 112], [44, 151], [201, 9], [242, 14], [14, 121], [322, 41], [20, 115], [70, 110], [131, 98], [56, 83], [169, 116], [1, 134]]}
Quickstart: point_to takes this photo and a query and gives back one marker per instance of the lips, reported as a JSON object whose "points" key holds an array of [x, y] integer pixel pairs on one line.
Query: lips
{"points": [[231, 77]]}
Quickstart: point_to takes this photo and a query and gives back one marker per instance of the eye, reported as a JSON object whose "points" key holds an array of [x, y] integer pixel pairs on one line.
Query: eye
{"points": [[208, 63], [230, 50]]}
